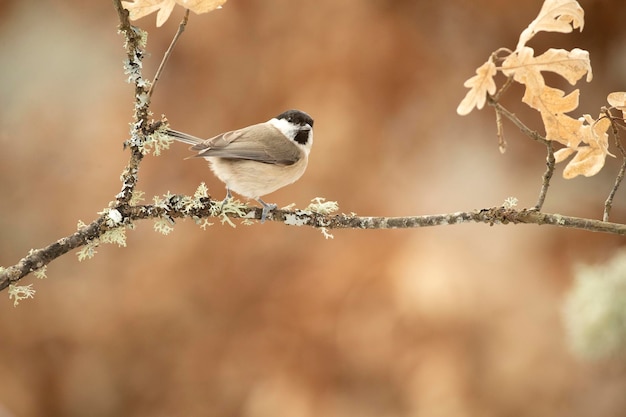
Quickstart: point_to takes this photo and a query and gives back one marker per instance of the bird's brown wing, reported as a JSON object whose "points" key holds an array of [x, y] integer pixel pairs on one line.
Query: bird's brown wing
{"points": [[266, 145]]}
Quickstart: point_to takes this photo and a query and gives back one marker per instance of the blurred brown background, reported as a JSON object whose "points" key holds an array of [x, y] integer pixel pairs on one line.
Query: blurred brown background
{"points": [[269, 320]]}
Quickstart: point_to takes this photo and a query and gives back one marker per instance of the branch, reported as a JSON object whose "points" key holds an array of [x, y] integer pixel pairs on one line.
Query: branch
{"points": [[172, 209], [547, 176], [135, 42], [491, 216], [608, 204], [39, 258]]}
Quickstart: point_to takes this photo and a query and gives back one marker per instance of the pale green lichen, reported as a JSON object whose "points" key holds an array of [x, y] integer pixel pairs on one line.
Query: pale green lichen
{"points": [[117, 236], [201, 192], [41, 272], [188, 204], [230, 206], [163, 225], [88, 251], [20, 292], [137, 197], [510, 203], [326, 234], [143, 99], [162, 203], [132, 68], [319, 205], [204, 223], [143, 36], [155, 143], [595, 309], [225, 219]]}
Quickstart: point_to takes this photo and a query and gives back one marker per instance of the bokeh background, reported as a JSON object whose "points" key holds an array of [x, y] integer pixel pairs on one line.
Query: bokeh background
{"points": [[268, 320]]}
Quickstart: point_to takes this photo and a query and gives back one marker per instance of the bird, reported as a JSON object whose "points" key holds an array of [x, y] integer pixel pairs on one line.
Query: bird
{"points": [[259, 159]]}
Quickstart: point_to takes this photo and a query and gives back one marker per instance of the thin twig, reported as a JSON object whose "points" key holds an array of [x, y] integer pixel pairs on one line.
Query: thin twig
{"points": [[181, 29], [547, 176], [500, 132], [620, 176], [499, 126], [502, 90], [517, 122]]}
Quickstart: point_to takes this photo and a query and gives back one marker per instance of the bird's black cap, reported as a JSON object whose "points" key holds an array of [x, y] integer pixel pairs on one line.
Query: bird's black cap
{"points": [[296, 117]]}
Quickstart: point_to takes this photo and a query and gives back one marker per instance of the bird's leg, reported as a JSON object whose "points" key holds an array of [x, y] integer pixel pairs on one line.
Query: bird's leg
{"points": [[266, 209], [226, 199]]}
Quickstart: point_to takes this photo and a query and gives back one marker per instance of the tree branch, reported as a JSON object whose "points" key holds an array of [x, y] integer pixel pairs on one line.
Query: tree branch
{"points": [[171, 209], [135, 42], [39, 258], [491, 216]]}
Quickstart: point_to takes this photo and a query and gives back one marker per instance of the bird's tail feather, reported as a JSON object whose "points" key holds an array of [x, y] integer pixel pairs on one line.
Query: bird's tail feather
{"points": [[183, 137]]}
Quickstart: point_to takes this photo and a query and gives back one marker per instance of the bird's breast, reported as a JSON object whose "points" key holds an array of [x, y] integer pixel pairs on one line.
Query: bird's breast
{"points": [[254, 179]]}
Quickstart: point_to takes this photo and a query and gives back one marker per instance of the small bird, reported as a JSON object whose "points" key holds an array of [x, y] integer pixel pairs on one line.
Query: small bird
{"points": [[258, 159]]}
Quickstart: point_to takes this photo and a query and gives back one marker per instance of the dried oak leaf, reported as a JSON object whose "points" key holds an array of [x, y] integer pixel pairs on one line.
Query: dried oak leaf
{"points": [[618, 100], [555, 16], [552, 103], [526, 68], [571, 65], [520, 66], [480, 85], [140, 8], [589, 158]]}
